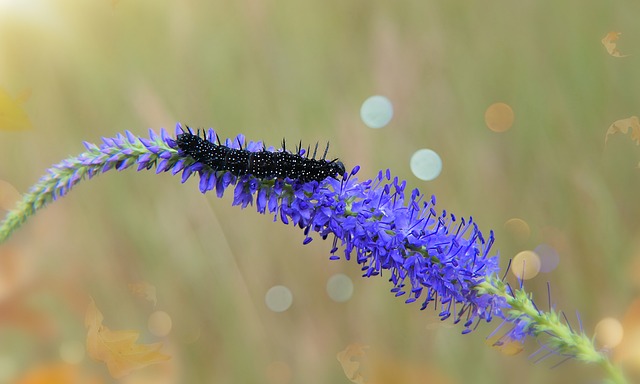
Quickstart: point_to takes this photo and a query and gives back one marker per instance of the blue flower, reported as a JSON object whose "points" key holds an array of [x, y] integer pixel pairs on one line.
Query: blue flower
{"points": [[428, 257]]}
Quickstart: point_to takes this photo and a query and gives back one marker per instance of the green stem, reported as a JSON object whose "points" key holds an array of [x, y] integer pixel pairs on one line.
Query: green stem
{"points": [[560, 337], [60, 178]]}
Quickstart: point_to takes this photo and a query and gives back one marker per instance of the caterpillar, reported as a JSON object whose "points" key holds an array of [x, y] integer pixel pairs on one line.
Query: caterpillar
{"points": [[262, 164]]}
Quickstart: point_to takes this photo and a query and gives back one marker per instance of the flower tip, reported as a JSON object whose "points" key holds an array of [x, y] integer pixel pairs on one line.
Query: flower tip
{"points": [[179, 166], [179, 129], [171, 143], [131, 137], [186, 173], [152, 135], [146, 142], [355, 170], [203, 184], [164, 134]]}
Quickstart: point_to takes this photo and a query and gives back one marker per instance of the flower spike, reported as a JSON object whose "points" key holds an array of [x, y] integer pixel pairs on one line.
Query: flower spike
{"points": [[435, 259]]}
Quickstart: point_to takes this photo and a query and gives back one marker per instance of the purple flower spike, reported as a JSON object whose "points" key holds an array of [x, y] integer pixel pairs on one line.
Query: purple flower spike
{"points": [[433, 258], [436, 257], [117, 153]]}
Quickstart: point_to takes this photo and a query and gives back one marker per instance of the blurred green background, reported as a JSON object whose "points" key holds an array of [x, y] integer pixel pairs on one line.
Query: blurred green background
{"points": [[301, 69]]}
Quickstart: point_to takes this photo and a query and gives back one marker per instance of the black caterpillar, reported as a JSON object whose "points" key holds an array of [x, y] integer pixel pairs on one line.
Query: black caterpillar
{"points": [[263, 164]]}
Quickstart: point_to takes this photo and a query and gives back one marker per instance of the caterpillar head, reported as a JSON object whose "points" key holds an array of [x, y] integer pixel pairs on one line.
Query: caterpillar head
{"points": [[337, 168]]}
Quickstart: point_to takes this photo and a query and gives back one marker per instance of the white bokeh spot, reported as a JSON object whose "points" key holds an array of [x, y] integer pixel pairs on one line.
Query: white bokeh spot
{"points": [[278, 298], [340, 287], [426, 164], [376, 111]]}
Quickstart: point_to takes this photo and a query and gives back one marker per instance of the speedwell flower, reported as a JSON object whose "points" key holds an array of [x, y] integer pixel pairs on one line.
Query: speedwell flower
{"points": [[429, 256]]}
